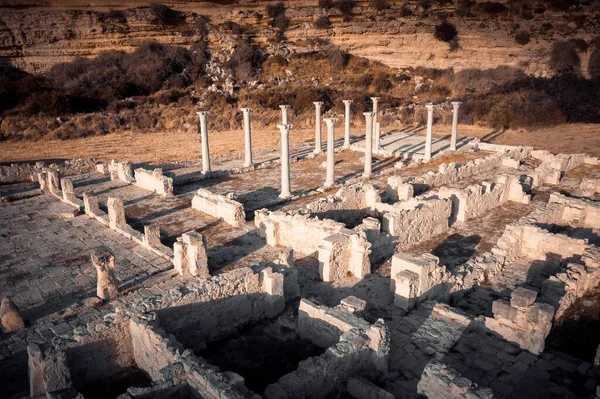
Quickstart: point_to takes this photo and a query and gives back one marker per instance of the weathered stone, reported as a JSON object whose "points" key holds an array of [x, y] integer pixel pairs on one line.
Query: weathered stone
{"points": [[104, 262], [10, 316]]}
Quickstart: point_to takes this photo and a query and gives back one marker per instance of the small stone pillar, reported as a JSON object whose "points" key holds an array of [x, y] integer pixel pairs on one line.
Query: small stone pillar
{"points": [[116, 213], [368, 144], [90, 204], [272, 286], [197, 253], [247, 137], [285, 257], [330, 177], [10, 317], [428, 137], [204, 139], [347, 123], [152, 236], [318, 133], [67, 189], [104, 262], [375, 110], [455, 105], [53, 181], [284, 114], [377, 136], [285, 161]]}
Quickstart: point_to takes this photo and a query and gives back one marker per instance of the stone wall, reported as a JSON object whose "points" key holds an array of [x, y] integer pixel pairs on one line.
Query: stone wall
{"points": [[219, 206], [589, 187], [217, 306], [440, 381], [16, 173], [348, 204], [576, 212], [417, 219], [154, 181], [344, 253], [120, 171], [360, 347]]}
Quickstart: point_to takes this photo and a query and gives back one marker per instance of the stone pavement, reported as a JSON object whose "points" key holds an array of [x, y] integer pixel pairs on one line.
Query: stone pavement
{"points": [[45, 260]]}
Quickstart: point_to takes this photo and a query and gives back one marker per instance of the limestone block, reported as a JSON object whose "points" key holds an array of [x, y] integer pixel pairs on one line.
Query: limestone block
{"points": [[37, 388], [67, 189], [219, 206], [272, 285], [502, 309], [285, 257], [196, 252], [360, 388], [353, 304], [371, 227], [331, 254], [589, 187], [104, 262], [102, 168], [116, 213], [42, 178], [511, 163], [522, 297], [405, 287], [422, 266], [152, 236], [90, 203], [154, 181], [53, 180], [398, 190], [180, 259], [10, 316]]}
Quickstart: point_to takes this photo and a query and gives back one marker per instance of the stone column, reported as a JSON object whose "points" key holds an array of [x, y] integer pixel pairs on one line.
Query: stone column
{"points": [[204, 139], [116, 213], [285, 161], [377, 136], [455, 105], [368, 144], [284, 114], [247, 137], [375, 102], [347, 124], [330, 177], [318, 106], [104, 262], [429, 132]]}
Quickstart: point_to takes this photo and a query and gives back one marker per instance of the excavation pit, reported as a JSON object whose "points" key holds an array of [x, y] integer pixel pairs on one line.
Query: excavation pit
{"points": [[116, 384]]}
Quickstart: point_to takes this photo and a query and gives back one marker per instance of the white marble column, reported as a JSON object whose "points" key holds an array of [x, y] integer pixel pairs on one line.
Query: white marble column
{"points": [[284, 114], [204, 139], [318, 106], [330, 177], [247, 137], [285, 161], [455, 105], [375, 110], [428, 137], [347, 124], [377, 127], [368, 144]]}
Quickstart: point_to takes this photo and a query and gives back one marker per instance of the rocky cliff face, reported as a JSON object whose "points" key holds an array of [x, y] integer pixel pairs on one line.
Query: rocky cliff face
{"points": [[36, 35]]}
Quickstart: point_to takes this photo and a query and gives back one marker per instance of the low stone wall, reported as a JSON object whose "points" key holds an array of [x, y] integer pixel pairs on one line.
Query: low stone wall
{"points": [[120, 171], [296, 230], [553, 166], [218, 306], [522, 320], [344, 253], [576, 212], [16, 173], [361, 347], [154, 181], [416, 219], [219, 206], [440, 381], [348, 204]]}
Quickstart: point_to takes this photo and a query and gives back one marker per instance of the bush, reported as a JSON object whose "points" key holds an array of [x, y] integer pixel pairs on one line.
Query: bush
{"points": [[245, 61], [487, 81], [338, 58], [564, 58], [405, 11], [445, 32], [579, 45], [322, 23], [115, 16], [491, 7], [522, 38], [346, 6], [280, 22], [326, 4], [527, 109], [234, 28], [379, 5], [276, 13], [273, 10], [166, 16]]}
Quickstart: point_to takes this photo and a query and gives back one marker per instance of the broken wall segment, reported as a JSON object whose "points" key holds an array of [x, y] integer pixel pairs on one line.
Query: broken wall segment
{"points": [[344, 253], [522, 320], [360, 347], [219, 206], [589, 187], [49, 374], [440, 381], [398, 190], [190, 255], [154, 181], [576, 212], [348, 204], [121, 171]]}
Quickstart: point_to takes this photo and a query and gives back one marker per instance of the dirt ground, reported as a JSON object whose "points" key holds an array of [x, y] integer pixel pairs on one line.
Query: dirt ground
{"points": [[180, 146]]}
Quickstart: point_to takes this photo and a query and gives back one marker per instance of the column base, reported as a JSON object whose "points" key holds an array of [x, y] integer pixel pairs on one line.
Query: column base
{"points": [[206, 172], [285, 195], [327, 185], [453, 149], [367, 174], [248, 165], [317, 152]]}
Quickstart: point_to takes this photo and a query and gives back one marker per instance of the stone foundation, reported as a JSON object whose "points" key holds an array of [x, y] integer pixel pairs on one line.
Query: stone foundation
{"points": [[219, 206], [154, 181]]}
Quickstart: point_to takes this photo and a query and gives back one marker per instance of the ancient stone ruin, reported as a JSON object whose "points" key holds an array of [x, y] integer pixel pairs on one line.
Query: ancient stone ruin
{"points": [[357, 267]]}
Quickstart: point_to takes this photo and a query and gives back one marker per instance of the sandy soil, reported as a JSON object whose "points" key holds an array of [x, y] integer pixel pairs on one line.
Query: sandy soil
{"points": [[180, 146]]}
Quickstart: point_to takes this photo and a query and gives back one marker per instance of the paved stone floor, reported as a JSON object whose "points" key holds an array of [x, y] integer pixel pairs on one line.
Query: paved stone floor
{"points": [[45, 260]]}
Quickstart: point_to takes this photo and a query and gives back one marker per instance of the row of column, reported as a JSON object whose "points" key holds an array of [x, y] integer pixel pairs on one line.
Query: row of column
{"points": [[371, 126]]}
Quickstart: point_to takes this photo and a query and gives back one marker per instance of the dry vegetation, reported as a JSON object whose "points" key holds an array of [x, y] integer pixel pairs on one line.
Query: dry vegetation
{"points": [[159, 87]]}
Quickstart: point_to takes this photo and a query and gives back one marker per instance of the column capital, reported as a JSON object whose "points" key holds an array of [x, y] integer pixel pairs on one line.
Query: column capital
{"points": [[202, 113], [375, 99], [456, 104], [318, 103], [244, 110], [429, 106], [347, 102], [330, 121], [286, 106], [368, 114]]}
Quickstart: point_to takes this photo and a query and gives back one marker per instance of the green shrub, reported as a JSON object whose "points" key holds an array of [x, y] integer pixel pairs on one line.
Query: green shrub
{"points": [[445, 32], [322, 23], [522, 38]]}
